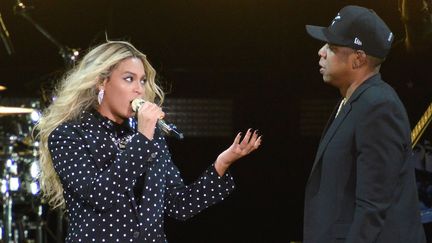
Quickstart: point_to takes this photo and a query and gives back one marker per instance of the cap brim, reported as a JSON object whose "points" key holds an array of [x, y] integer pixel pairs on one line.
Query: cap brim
{"points": [[323, 34], [317, 32]]}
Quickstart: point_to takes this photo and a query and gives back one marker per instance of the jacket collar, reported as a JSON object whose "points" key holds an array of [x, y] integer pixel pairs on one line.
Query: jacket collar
{"points": [[90, 118]]}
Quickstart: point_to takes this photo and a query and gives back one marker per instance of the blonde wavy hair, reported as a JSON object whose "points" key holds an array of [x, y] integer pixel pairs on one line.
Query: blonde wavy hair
{"points": [[77, 91]]}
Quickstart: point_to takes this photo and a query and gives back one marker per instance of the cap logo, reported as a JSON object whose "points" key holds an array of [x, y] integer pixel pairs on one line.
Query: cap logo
{"points": [[358, 42], [390, 38], [337, 18]]}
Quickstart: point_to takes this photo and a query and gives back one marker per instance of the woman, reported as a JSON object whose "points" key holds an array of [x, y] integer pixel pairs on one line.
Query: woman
{"points": [[111, 171]]}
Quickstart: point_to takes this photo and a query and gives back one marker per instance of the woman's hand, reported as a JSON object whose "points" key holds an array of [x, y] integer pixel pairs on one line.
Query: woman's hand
{"points": [[147, 116], [237, 150]]}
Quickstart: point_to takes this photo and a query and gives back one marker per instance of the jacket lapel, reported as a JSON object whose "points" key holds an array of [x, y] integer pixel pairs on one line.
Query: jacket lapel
{"points": [[331, 129], [330, 133], [98, 147], [89, 122], [330, 120]]}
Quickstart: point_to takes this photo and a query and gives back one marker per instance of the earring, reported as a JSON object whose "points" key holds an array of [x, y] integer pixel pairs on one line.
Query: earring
{"points": [[100, 96]]}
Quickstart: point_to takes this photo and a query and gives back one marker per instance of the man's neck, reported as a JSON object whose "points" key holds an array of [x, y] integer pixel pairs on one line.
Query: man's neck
{"points": [[347, 91]]}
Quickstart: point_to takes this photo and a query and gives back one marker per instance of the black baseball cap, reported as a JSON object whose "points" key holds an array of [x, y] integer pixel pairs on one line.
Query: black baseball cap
{"points": [[358, 28]]}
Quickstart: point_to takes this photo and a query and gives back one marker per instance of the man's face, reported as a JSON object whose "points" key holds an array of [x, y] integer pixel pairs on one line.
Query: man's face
{"points": [[335, 64]]}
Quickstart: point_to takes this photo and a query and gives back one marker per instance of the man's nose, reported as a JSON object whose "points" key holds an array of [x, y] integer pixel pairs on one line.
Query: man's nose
{"points": [[322, 51]]}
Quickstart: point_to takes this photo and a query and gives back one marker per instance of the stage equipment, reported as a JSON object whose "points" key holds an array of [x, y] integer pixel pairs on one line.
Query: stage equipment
{"points": [[69, 55], [5, 36], [21, 219], [421, 126]]}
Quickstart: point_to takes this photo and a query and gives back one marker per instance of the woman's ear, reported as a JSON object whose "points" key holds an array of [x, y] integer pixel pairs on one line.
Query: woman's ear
{"points": [[102, 84], [101, 91]]}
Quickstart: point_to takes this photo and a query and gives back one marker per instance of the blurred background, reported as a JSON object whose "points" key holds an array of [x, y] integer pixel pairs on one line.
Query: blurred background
{"points": [[226, 65]]}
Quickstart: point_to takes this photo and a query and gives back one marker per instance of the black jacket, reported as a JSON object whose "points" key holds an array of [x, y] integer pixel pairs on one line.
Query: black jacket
{"points": [[362, 188], [122, 194]]}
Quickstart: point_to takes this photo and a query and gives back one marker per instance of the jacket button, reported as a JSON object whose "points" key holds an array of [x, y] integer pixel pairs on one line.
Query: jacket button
{"points": [[136, 234], [153, 155]]}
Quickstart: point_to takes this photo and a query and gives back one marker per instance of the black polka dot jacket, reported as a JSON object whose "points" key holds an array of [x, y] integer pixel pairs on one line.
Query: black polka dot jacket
{"points": [[118, 185]]}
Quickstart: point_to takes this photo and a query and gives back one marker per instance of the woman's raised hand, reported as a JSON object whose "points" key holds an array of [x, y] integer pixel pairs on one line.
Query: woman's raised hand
{"points": [[238, 149]]}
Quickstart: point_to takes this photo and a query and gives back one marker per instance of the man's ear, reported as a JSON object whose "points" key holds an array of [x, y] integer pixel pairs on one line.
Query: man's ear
{"points": [[359, 59]]}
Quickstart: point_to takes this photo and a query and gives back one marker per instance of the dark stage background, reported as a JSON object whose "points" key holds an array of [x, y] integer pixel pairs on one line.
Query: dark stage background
{"points": [[256, 54]]}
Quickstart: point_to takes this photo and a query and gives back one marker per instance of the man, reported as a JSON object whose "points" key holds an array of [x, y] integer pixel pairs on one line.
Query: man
{"points": [[361, 187]]}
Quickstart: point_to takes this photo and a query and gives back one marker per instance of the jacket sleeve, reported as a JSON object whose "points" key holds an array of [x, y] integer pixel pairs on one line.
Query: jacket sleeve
{"points": [[184, 201], [76, 167], [382, 142]]}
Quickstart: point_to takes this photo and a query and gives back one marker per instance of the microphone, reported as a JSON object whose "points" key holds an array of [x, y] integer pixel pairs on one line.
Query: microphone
{"points": [[166, 128]]}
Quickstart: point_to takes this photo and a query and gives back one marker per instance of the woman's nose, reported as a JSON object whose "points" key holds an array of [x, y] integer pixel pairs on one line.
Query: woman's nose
{"points": [[139, 89]]}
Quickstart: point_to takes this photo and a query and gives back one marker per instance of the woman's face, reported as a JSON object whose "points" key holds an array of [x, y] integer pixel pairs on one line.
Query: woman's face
{"points": [[125, 83]]}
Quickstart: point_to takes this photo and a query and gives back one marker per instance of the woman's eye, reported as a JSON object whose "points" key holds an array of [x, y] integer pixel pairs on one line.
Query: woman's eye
{"points": [[129, 79], [143, 81]]}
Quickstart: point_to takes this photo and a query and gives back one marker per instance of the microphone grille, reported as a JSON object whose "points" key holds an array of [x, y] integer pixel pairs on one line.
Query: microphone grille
{"points": [[136, 104]]}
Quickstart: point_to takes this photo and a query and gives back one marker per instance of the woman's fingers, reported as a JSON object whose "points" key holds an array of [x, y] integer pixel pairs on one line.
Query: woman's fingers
{"points": [[246, 138], [258, 142], [237, 139], [254, 137], [249, 143], [151, 111]]}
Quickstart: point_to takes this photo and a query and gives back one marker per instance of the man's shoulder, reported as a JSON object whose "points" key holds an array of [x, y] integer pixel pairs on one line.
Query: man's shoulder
{"points": [[380, 93]]}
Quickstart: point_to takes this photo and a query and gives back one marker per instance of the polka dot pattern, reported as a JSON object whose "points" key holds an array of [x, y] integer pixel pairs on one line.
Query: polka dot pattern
{"points": [[102, 180]]}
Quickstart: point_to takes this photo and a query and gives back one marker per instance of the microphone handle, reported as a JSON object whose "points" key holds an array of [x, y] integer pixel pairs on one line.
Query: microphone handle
{"points": [[169, 129], [166, 128]]}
